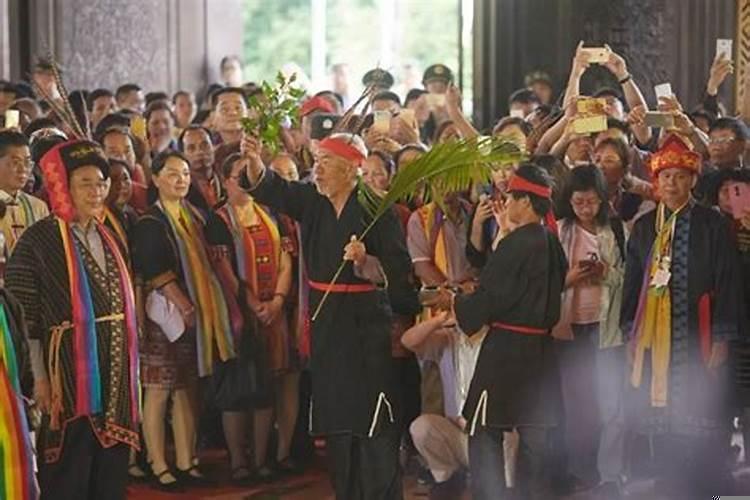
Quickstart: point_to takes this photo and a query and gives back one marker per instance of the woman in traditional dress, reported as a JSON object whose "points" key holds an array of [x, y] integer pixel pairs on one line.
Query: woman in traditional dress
{"points": [[187, 316], [254, 256]]}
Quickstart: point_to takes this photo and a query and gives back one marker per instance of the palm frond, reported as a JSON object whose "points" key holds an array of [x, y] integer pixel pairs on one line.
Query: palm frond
{"points": [[447, 168]]}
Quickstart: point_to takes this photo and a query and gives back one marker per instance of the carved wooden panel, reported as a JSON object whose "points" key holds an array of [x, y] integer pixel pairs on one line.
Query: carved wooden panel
{"points": [[109, 42]]}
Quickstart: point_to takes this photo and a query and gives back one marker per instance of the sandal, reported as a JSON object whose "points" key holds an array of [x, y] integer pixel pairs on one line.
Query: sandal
{"points": [[193, 477], [265, 474], [167, 486], [241, 476], [135, 473], [287, 466]]}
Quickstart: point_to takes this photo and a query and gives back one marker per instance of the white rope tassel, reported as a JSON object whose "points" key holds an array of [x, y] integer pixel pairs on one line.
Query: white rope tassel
{"points": [[481, 406], [381, 399], [309, 417]]}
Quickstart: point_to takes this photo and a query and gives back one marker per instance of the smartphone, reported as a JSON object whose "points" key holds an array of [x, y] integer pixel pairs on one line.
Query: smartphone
{"points": [[724, 48], [435, 100], [592, 106], [663, 90], [138, 127], [739, 198], [656, 119], [12, 118], [597, 55], [589, 262], [517, 113], [590, 124], [382, 121]]}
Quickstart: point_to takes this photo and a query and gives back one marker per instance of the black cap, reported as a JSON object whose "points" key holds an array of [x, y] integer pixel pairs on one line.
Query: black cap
{"points": [[77, 154], [322, 124], [387, 95], [24, 89], [379, 78], [6, 86], [437, 72], [537, 76]]}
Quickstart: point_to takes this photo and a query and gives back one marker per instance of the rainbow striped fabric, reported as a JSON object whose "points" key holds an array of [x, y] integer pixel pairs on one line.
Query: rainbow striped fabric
{"points": [[17, 480]]}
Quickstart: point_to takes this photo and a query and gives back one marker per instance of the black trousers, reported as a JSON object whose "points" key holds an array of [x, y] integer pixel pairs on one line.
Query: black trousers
{"points": [[85, 470], [365, 468], [487, 464]]}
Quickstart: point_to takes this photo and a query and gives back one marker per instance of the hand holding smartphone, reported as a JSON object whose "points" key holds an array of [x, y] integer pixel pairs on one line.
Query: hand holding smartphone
{"points": [[739, 198], [656, 119], [723, 48], [382, 121], [12, 118], [663, 90], [596, 55], [138, 128]]}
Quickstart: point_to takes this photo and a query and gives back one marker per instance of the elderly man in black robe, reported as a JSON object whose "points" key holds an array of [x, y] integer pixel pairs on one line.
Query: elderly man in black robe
{"points": [[353, 402]]}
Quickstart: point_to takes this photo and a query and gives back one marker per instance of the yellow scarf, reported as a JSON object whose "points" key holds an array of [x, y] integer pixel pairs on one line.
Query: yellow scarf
{"points": [[653, 322], [432, 216], [212, 316]]}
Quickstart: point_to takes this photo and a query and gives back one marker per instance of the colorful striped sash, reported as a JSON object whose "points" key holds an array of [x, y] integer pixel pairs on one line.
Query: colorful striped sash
{"points": [[17, 480]]}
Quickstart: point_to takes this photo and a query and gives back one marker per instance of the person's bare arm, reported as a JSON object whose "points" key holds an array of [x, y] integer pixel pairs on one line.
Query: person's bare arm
{"points": [[684, 125], [426, 334], [580, 65], [453, 105], [429, 274]]}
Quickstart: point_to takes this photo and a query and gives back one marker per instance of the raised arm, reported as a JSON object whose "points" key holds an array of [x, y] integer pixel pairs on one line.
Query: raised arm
{"points": [[290, 198], [633, 95], [453, 104]]}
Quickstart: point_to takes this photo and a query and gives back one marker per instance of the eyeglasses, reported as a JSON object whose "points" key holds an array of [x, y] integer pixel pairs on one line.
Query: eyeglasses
{"points": [[20, 163]]}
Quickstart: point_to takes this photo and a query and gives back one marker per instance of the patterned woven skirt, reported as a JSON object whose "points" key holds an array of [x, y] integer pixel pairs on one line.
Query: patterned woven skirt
{"points": [[165, 364]]}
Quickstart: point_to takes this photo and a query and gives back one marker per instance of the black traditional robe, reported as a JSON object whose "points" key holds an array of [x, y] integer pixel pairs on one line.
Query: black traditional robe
{"points": [[38, 277], [516, 380], [697, 399], [351, 363]]}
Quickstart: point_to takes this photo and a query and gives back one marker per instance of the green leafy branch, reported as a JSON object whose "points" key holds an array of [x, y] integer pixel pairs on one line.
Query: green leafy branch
{"points": [[273, 108], [447, 168]]}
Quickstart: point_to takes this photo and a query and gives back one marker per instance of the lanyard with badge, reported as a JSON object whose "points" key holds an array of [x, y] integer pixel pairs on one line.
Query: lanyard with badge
{"points": [[661, 273]]}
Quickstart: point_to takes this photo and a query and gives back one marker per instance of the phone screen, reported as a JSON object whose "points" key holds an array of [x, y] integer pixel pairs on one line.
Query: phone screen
{"points": [[382, 121], [12, 118]]}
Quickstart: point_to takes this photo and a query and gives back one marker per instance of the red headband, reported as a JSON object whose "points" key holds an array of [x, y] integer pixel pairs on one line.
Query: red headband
{"points": [[341, 148], [518, 183], [317, 103]]}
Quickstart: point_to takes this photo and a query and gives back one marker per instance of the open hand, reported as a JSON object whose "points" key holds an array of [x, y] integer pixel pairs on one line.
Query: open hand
{"points": [[720, 69]]}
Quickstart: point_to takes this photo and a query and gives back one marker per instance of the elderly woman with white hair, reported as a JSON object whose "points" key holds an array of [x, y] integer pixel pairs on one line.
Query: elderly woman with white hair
{"points": [[354, 392]]}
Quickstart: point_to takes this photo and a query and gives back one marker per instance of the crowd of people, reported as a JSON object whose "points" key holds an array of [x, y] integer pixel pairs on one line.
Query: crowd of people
{"points": [[578, 322]]}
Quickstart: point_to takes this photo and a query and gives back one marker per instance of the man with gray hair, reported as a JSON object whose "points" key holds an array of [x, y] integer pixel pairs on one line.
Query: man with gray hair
{"points": [[353, 402]]}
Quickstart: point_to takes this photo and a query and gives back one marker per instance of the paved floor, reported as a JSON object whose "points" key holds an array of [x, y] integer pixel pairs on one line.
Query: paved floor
{"points": [[314, 485]]}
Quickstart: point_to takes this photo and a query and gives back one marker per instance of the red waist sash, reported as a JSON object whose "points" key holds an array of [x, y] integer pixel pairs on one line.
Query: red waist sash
{"points": [[526, 330], [342, 287]]}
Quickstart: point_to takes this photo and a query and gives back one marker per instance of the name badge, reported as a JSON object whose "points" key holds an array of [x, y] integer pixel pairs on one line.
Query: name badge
{"points": [[661, 278]]}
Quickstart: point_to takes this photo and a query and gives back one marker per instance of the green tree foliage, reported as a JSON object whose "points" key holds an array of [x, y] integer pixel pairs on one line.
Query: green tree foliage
{"points": [[279, 31]]}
